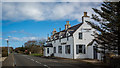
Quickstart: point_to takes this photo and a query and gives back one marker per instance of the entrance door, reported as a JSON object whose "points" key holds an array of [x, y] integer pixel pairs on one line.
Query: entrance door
{"points": [[95, 52]]}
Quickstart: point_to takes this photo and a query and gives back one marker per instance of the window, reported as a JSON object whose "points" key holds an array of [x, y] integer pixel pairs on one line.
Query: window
{"points": [[54, 49], [67, 35], [80, 35], [67, 38], [67, 49], [80, 49], [54, 41], [59, 49], [48, 50], [59, 40]]}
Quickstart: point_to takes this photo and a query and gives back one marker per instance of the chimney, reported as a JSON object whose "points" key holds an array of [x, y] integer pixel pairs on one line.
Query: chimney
{"points": [[85, 17], [59, 29], [54, 31], [85, 14], [67, 25], [48, 37]]}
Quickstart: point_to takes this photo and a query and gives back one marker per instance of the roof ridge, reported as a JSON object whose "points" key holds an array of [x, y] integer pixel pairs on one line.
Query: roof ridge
{"points": [[69, 28]]}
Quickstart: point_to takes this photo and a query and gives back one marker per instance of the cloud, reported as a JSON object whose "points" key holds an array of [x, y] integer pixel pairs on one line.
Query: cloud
{"points": [[25, 38], [54, 0], [46, 10], [20, 32]]}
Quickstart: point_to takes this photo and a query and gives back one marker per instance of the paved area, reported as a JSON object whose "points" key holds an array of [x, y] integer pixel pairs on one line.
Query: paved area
{"points": [[2, 58], [9, 61], [25, 61]]}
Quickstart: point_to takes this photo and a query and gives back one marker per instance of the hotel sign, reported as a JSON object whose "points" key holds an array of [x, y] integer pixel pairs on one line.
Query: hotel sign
{"points": [[63, 43]]}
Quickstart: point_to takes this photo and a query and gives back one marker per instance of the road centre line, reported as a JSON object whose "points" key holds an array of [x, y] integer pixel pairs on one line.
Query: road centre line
{"points": [[45, 65], [32, 59], [38, 62]]}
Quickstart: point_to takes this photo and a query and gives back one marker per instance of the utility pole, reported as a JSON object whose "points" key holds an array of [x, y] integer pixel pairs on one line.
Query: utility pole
{"points": [[8, 45]]}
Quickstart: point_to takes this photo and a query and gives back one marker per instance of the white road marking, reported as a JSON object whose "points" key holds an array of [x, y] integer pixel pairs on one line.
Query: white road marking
{"points": [[13, 60], [38, 62], [32, 59], [45, 65], [28, 58]]}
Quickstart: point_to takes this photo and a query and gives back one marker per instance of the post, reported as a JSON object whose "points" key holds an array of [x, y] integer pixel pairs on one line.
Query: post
{"points": [[8, 46]]}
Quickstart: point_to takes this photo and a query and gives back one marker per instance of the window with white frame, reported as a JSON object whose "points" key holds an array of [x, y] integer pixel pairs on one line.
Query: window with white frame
{"points": [[80, 35], [59, 49], [48, 50], [80, 49], [67, 49], [54, 49]]}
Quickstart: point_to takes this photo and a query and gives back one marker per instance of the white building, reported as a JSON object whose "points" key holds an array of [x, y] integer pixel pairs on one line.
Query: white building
{"points": [[73, 42]]}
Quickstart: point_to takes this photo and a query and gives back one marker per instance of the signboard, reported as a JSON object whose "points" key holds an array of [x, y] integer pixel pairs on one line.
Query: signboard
{"points": [[63, 43]]}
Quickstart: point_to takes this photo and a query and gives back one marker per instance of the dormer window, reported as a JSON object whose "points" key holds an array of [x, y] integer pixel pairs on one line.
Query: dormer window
{"points": [[51, 39], [67, 36], [54, 37]]}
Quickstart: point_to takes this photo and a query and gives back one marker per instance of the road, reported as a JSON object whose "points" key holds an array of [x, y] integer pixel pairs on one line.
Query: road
{"points": [[26, 61]]}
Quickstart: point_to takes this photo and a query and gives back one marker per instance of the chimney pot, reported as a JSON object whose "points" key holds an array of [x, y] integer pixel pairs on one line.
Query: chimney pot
{"points": [[85, 13], [67, 22], [67, 25], [54, 31]]}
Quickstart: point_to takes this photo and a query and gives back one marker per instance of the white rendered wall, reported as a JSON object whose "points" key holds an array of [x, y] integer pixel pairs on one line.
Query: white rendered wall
{"points": [[50, 51], [91, 53], [63, 54], [87, 38]]}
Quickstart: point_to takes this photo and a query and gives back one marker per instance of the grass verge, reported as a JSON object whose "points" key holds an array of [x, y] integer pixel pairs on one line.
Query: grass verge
{"points": [[38, 55]]}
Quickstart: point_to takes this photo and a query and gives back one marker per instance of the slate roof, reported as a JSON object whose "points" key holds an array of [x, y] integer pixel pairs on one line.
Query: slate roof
{"points": [[48, 45], [62, 33], [98, 41]]}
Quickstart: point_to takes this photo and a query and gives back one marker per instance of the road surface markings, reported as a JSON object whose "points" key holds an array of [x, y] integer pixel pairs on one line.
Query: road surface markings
{"points": [[32, 59], [13, 60], [28, 58], [38, 62], [46, 66]]}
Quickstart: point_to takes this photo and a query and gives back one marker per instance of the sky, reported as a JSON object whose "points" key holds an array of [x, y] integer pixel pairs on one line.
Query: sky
{"points": [[24, 21]]}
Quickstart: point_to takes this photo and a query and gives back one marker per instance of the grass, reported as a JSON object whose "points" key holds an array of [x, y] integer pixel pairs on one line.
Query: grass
{"points": [[38, 55]]}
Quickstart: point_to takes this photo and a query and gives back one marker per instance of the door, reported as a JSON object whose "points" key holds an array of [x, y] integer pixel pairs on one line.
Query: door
{"points": [[95, 52]]}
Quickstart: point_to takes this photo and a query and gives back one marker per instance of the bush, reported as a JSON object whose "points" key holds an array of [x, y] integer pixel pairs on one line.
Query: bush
{"points": [[4, 54], [115, 62], [38, 55]]}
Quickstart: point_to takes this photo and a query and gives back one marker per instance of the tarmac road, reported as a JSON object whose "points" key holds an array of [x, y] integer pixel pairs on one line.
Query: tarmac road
{"points": [[26, 61]]}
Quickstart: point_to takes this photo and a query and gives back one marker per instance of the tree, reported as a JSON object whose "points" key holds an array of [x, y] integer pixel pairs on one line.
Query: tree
{"points": [[35, 46], [108, 19]]}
